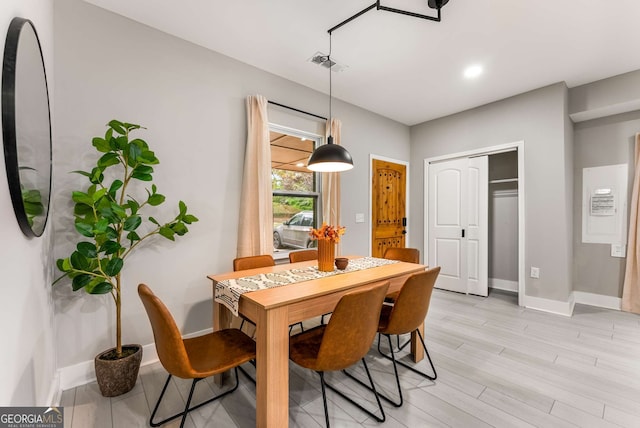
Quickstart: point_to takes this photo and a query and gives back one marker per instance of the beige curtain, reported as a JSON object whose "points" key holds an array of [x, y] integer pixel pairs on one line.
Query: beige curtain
{"points": [[631, 289], [331, 182], [255, 228]]}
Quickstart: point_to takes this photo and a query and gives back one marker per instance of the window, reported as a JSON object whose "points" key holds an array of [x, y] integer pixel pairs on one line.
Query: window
{"points": [[296, 192]]}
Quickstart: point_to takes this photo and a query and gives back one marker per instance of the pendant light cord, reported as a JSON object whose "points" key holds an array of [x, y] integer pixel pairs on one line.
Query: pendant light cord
{"points": [[330, 85]]}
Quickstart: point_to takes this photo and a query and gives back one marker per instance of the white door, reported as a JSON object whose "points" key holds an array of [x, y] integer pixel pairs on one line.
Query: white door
{"points": [[458, 223]]}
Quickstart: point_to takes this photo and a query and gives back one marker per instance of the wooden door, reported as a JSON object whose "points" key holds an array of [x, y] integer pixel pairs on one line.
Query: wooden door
{"points": [[388, 209], [458, 224]]}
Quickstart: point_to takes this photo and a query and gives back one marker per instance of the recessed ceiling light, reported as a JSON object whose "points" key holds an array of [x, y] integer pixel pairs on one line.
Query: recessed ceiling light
{"points": [[473, 71], [300, 164]]}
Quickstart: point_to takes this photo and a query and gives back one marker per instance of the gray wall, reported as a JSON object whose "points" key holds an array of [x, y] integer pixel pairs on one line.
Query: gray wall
{"points": [[539, 118], [27, 372], [192, 102], [600, 142]]}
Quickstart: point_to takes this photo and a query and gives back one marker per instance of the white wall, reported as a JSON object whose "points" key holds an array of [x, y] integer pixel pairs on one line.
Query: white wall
{"points": [[192, 102], [539, 119], [27, 369]]}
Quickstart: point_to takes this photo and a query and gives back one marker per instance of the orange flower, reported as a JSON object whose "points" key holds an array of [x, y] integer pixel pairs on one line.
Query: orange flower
{"points": [[331, 233]]}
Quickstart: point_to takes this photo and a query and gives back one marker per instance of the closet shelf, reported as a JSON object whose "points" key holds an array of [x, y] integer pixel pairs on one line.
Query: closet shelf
{"points": [[506, 180]]}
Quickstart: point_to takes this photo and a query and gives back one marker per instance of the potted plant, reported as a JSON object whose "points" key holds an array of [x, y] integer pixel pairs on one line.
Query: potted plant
{"points": [[110, 222]]}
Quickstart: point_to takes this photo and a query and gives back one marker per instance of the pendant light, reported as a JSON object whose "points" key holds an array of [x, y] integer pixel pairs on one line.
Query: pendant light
{"points": [[330, 157]]}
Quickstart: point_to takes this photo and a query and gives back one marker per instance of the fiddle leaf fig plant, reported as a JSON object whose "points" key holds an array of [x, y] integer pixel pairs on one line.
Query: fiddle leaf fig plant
{"points": [[109, 218]]}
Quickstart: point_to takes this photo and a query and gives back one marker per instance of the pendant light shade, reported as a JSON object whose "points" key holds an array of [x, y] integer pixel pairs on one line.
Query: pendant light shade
{"points": [[330, 157]]}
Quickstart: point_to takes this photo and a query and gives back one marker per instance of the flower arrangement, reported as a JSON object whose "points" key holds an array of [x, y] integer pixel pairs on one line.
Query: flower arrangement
{"points": [[328, 233]]}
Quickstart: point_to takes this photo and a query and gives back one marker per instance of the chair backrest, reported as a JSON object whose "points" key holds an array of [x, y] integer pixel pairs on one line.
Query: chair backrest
{"points": [[351, 329], [410, 255], [169, 344], [303, 256], [252, 262], [411, 306]]}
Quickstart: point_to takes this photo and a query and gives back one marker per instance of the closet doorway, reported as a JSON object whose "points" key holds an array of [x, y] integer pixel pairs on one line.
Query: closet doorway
{"points": [[474, 219]]}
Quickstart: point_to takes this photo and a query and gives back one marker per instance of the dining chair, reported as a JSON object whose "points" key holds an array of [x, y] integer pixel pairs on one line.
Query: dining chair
{"points": [[409, 255], [194, 358], [253, 262], [406, 315], [344, 340], [303, 256]]}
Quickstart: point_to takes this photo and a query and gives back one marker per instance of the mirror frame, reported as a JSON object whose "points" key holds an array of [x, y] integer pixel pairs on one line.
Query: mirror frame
{"points": [[10, 133]]}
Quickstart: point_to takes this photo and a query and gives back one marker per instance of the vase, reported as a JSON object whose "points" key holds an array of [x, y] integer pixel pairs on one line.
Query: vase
{"points": [[326, 255]]}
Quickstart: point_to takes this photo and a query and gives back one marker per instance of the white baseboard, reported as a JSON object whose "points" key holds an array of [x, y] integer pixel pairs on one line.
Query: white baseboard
{"points": [[548, 305], [55, 392], [599, 300], [503, 284], [83, 373]]}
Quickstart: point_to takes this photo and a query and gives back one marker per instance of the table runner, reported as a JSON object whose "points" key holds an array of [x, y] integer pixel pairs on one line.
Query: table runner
{"points": [[228, 292]]}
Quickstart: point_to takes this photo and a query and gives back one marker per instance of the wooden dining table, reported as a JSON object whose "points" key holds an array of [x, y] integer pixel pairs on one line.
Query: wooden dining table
{"points": [[274, 309]]}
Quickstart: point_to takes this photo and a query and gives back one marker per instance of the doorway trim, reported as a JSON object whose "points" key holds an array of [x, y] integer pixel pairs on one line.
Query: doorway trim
{"points": [[407, 207], [517, 145]]}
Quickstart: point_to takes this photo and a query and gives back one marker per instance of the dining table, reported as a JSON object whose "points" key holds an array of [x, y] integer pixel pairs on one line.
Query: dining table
{"points": [[273, 310]]}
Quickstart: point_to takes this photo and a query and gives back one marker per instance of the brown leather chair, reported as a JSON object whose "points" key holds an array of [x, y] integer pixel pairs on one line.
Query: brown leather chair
{"points": [[303, 256], [409, 255], [406, 315], [253, 262], [343, 341], [194, 358]]}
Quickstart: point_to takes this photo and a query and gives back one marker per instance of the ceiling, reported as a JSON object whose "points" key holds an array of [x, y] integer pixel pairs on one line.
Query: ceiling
{"points": [[405, 68]]}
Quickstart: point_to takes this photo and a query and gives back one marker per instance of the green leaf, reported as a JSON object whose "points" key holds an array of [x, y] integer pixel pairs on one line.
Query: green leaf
{"points": [[110, 247], [131, 126], [132, 236], [33, 208], [82, 210], [167, 232], [101, 145], [154, 221], [111, 216], [189, 218], [85, 173], [134, 151], [183, 208], [118, 127], [117, 184], [111, 233], [80, 281], [99, 194], [96, 175], [148, 157], [121, 144], [114, 266], [101, 288], [120, 211], [108, 134], [156, 199], [108, 159], [141, 176], [64, 264], [81, 198], [78, 261], [85, 229], [144, 169], [179, 228], [101, 226], [87, 249], [133, 206], [132, 223]]}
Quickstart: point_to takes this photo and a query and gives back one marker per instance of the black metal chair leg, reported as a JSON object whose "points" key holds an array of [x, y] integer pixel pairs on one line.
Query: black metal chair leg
{"points": [[324, 399], [435, 375], [187, 409], [370, 388]]}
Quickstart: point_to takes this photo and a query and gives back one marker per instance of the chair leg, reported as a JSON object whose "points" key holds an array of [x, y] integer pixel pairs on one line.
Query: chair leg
{"points": [[324, 400], [187, 409], [370, 388], [393, 358]]}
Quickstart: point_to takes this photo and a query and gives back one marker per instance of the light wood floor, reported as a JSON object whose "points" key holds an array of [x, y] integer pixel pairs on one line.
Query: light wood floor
{"points": [[498, 365]]}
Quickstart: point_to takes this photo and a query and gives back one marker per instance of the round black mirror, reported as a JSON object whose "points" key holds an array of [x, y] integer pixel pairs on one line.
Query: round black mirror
{"points": [[26, 127]]}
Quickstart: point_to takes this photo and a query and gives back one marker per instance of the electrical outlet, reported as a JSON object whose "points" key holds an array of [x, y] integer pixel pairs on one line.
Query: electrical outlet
{"points": [[618, 250], [535, 272]]}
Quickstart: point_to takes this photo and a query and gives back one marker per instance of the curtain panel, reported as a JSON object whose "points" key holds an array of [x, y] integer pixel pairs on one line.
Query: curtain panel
{"points": [[255, 228], [331, 183], [631, 289]]}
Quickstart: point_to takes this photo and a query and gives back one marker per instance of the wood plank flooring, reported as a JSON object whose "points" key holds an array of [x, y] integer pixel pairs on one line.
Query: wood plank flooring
{"points": [[499, 365]]}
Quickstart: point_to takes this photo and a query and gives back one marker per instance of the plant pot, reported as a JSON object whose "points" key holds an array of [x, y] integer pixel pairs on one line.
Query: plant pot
{"points": [[118, 376]]}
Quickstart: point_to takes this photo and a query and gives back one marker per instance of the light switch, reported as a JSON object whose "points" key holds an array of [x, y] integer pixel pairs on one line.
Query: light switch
{"points": [[359, 217], [618, 250], [535, 272]]}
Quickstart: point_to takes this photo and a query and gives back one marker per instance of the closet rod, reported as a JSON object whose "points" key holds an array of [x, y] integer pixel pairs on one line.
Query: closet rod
{"points": [[295, 109]]}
